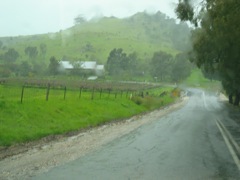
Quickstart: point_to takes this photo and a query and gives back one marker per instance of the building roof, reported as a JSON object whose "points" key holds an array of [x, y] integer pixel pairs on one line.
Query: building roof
{"points": [[66, 64], [89, 65], [100, 67]]}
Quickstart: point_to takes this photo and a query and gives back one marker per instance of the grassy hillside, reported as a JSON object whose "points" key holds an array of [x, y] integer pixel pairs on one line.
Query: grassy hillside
{"points": [[93, 40]]}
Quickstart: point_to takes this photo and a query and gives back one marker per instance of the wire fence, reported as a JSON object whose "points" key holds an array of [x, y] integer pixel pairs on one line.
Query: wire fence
{"points": [[23, 90]]}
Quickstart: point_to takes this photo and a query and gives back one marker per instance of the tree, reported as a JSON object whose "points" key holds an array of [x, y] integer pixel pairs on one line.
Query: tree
{"points": [[25, 68], [11, 55], [185, 11], [216, 39], [79, 20], [32, 52], [53, 67], [133, 64], [161, 64], [117, 62], [5, 72], [181, 68], [39, 68], [43, 49]]}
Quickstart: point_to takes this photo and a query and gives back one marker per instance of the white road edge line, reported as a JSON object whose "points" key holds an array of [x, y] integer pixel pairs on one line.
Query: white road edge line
{"points": [[204, 100], [229, 136], [230, 148]]}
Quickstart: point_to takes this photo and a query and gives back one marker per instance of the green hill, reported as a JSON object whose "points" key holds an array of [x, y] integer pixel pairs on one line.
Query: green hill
{"points": [[142, 34], [93, 40]]}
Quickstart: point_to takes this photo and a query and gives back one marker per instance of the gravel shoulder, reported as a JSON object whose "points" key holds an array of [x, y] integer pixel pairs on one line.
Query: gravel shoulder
{"points": [[28, 160]]}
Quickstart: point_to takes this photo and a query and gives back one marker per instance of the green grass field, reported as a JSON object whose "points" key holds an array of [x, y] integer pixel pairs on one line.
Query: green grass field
{"points": [[196, 79], [36, 118]]}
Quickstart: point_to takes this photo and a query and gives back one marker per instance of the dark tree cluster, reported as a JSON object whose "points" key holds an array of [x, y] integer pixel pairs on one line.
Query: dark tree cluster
{"points": [[79, 20], [10, 56], [7, 62], [31, 52], [12, 65], [53, 67], [119, 63], [216, 40], [164, 66]]}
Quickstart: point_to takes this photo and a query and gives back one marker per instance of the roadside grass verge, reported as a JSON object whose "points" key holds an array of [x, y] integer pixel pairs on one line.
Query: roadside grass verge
{"points": [[36, 118], [196, 79]]}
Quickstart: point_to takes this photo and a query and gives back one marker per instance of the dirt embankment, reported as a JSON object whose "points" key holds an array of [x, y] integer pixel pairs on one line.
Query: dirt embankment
{"points": [[28, 160]]}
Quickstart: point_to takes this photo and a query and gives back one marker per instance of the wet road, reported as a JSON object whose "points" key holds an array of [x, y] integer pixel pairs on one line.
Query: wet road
{"points": [[185, 144]]}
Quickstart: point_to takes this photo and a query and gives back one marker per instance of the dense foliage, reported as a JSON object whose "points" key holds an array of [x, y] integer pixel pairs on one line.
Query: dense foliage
{"points": [[119, 63], [162, 67], [161, 64], [216, 40]]}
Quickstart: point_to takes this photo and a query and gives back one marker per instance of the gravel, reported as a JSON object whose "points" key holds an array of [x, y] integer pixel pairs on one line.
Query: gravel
{"points": [[27, 160]]}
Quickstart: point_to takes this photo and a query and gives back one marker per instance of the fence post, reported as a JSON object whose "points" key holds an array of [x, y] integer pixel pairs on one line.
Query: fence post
{"points": [[48, 89], [65, 90], [80, 93], [92, 93], [22, 93], [100, 93]]}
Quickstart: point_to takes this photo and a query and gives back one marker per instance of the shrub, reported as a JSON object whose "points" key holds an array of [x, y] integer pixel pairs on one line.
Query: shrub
{"points": [[138, 100]]}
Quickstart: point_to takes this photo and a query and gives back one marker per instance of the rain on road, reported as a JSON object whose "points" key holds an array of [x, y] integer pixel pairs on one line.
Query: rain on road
{"points": [[185, 144]]}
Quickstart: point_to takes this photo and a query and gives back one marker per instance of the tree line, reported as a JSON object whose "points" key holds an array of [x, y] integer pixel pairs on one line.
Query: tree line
{"points": [[216, 40], [162, 66], [9, 66]]}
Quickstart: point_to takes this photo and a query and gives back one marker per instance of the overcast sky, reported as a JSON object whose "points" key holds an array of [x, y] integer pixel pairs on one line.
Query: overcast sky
{"points": [[23, 17]]}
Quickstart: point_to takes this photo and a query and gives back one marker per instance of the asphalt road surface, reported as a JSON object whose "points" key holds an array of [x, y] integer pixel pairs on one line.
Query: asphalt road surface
{"points": [[185, 144]]}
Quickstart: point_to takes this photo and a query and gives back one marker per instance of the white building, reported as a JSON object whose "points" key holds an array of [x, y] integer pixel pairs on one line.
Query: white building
{"points": [[85, 66]]}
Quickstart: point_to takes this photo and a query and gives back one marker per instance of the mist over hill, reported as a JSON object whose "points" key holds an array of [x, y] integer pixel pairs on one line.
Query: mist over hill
{"points": [[96, 38], [93, 40]]}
